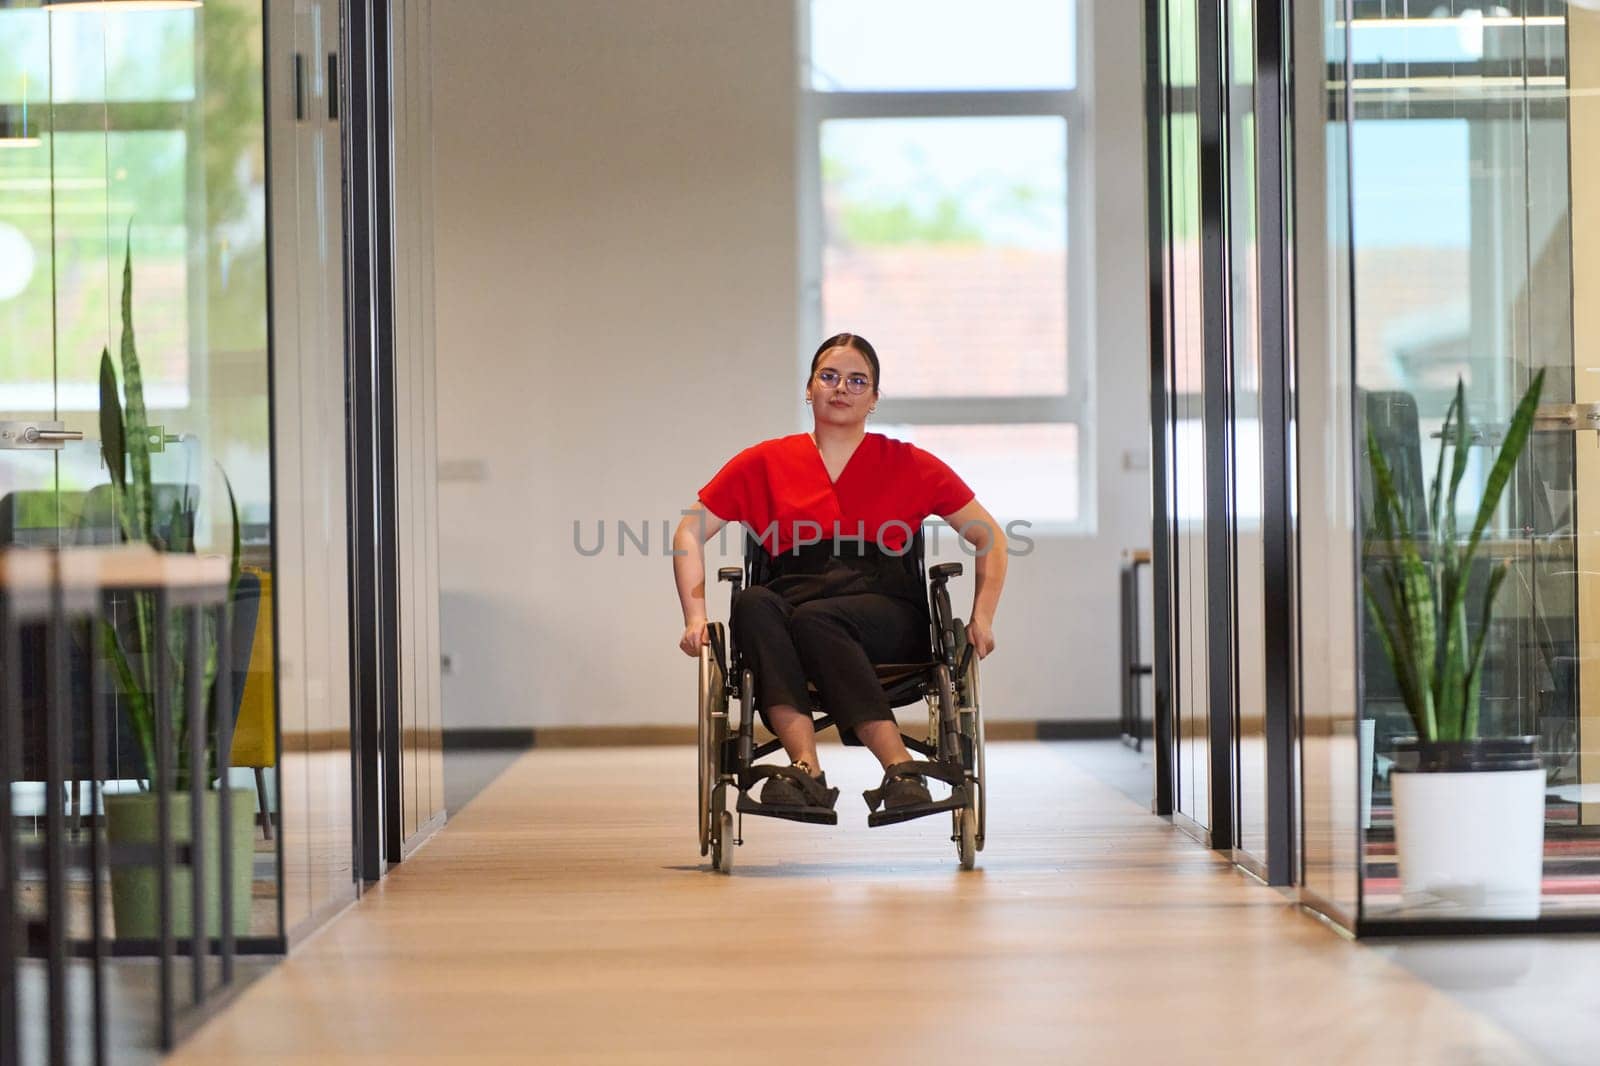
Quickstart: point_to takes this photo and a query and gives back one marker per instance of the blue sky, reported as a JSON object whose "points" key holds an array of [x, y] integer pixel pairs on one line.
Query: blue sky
{"points": [[1410, 183]]}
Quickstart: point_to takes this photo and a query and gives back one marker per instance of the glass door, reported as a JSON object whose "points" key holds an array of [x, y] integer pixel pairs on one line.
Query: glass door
{"points": [[56, 307]]}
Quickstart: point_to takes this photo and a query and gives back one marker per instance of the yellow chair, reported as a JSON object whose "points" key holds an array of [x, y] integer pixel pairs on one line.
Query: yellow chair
{"points": [[255, 729]]}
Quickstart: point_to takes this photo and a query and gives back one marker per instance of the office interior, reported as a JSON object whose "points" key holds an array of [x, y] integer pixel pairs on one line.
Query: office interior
{"points": [[431, 317]]}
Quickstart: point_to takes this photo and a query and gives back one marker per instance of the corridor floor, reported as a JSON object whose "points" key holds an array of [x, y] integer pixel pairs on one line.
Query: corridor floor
{"points": [[565, 916]]}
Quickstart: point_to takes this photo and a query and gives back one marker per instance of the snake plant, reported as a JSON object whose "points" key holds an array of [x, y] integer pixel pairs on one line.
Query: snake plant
{"points": [[125, 439], [1417, 585]]}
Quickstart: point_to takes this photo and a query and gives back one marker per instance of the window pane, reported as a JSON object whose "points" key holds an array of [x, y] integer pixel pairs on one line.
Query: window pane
{"points": [[1431, 34], [889, 45], [1020, 471], [112, 56], [946, 246], [144, 185]]}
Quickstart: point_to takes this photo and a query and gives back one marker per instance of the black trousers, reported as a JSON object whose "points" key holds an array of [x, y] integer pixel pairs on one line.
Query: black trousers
{"points": [[832, 641]]}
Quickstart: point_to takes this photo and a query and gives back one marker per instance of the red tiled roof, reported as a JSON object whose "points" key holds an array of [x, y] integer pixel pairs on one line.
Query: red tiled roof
{"points": [[954, 320]]}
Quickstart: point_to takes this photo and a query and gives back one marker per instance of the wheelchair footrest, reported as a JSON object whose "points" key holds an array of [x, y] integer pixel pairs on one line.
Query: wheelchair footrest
{"points": [[814, 815], [956, 802]]}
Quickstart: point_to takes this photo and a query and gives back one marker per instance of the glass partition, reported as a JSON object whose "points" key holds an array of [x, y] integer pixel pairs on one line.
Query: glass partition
{"points": [[1322, 509], [1183, 439], [1246, 440], [133, 223], [1472, 147]]}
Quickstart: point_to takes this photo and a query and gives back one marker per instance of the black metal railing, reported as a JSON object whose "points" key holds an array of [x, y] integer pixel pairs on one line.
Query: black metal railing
{"points": [[59, 613]]}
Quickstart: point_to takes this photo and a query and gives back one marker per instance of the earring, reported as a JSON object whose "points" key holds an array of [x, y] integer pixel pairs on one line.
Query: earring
{"points": [[808, 399]]}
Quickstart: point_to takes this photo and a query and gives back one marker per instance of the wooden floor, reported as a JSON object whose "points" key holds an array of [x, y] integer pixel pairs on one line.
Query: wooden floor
{"points": [[565, 916]]}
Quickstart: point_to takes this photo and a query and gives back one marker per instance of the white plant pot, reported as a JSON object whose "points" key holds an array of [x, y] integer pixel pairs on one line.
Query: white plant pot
{"points": [[1470, 845]]}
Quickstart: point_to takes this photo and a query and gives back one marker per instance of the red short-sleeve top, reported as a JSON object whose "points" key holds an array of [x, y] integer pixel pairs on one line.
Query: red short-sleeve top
{"points": [[781, 490]]}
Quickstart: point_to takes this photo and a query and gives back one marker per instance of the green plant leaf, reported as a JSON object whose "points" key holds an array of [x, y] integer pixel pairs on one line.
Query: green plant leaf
{"points": [[178, 536], [1516, 438], [1506, 461], [235, 554], [1435, 518], [1391, 638], [1450, 708], [136, 419], [1458, 469], [1474, 678], [134, 696], [1415, 623], [111, 439]]}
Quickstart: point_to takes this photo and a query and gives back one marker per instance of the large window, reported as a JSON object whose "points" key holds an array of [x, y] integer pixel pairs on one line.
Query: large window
{"points": [[938, 210]]}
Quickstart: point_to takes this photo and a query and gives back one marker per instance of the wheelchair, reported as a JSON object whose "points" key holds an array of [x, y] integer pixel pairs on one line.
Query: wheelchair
{"points": [[952, 750]]}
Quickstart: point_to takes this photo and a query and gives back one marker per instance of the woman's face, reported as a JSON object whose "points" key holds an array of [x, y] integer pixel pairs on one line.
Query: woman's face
{"points": [[836, 405]]}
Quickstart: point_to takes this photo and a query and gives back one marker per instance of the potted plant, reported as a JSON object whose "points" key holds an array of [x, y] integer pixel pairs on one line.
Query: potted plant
{"points": [[1469, 809], [128, 642]]}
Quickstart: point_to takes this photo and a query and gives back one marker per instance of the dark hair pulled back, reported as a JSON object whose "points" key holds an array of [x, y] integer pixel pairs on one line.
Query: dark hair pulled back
{"points": [[849, 340]]}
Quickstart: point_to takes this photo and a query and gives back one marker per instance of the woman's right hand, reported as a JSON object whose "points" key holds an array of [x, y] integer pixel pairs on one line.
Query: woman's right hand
{"points": [[694, 638]]}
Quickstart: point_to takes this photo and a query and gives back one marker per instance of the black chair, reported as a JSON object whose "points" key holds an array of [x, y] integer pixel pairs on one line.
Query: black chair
{"points": [[75, 519]]}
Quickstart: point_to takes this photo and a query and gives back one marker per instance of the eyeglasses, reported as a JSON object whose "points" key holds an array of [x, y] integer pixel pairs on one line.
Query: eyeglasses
{"points": [[855, 384]]}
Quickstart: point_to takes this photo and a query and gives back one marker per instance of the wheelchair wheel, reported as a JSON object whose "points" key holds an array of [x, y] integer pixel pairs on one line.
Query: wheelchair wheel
{"points": [[977, 773], [722, 843], [967, 838], [713, 728]]}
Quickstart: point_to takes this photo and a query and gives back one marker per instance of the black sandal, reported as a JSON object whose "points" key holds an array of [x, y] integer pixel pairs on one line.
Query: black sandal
{"points": [[904, 790], [790, 792], [904, 793]]}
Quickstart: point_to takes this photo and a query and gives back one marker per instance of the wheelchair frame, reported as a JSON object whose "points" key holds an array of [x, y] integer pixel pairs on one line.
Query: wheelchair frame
{"points": [[948, 683]]}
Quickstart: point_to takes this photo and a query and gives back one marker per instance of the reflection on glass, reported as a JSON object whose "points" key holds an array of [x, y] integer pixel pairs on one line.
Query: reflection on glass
{"points": [[1249, 594], [1185, 433], [1325, 450], [1467, 239], [893, 45], [946, 242], [152, 145]]}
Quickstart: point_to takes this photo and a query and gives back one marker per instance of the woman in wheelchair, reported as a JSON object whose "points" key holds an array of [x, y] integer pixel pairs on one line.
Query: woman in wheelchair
{"points": [[836, 510]]}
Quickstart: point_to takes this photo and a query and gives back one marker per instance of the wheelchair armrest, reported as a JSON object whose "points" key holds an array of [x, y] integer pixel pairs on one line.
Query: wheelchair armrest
{"points": [[730, 573], [945, 571]]}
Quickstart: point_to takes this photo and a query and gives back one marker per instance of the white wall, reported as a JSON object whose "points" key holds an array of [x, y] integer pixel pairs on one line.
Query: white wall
{"points": [[616, 285]]}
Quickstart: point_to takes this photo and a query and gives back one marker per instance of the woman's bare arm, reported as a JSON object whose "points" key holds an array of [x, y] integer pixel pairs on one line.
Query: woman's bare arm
{"points": [[979, 528], [689, 569]]}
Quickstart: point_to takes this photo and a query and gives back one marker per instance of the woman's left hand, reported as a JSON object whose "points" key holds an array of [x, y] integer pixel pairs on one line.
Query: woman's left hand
{"points": [[980, 634]]}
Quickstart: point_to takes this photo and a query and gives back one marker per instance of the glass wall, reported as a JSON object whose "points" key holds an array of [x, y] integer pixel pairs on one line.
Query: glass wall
{"points": [[421, 774], [1440, 235], [1184, 437], [1472, 160], [1245, 437], [133, 243], [1323, 516], [1221, 280]]}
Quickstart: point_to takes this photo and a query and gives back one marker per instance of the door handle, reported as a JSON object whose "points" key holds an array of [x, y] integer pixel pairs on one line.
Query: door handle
{"points": [[36, 436], [1566, 416], [333, 86]]}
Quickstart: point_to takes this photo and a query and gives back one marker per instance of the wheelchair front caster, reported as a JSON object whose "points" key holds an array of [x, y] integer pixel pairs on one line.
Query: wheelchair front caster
{"points": [[967, 837], [722, 844]]}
